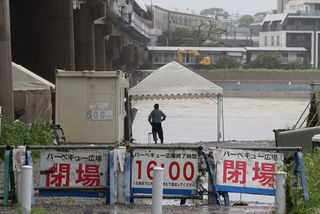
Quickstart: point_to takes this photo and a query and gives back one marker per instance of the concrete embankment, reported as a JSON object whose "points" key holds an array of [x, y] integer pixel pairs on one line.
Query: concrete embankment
{"points": [[248, 83]]}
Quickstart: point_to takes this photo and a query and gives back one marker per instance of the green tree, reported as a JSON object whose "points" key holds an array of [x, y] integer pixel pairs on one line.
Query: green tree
{"points": [[245, 20], [258, 17], [205, 33], [215, 12], [266, 60], [178, 37]]}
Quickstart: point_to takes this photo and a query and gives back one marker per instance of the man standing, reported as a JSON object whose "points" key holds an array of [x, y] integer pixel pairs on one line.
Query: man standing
{"points": [[155, 118]]}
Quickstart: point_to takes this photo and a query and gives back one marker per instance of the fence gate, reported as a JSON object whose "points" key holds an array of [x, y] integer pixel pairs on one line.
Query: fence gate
{"points": [[83, 171], [181, 170]]}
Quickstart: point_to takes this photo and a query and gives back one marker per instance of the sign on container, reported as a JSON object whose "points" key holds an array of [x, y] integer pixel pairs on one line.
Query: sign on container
{"points": [[246, 171], [73, 169], [180, 170], [99, 111]]}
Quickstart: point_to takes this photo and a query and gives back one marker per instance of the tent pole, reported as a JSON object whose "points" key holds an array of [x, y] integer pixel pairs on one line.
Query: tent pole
{"points": [[222, 116], [218, 118]]}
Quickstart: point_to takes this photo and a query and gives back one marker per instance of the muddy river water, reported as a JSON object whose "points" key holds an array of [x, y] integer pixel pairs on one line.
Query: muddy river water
{"points": [[194, 120]]}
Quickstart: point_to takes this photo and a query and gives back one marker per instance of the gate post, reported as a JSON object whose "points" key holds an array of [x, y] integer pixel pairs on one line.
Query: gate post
{"points": [[280, 199], [128, 179], [157, 190], [26, 188], [20, 160], [6, 182], [111, 196], [121, 176]]}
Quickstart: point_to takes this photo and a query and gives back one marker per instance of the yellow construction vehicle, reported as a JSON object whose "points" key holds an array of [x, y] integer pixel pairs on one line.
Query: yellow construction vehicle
{"points": [[205, 60]]}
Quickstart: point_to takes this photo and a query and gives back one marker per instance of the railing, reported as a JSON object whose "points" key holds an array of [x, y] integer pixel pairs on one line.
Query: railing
{"points": [[129, 18], [299, 27], [307, 13], [139, 25]]}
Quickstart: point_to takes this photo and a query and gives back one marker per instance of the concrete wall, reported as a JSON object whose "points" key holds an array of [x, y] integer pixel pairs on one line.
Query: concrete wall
{"points": [[287, 84]]}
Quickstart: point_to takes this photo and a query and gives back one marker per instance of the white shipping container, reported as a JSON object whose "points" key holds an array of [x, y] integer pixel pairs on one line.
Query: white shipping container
{"points": [[90, 106]]}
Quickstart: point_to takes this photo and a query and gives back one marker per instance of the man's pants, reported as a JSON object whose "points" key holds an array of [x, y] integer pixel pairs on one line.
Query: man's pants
{"points": [[157, 128]]}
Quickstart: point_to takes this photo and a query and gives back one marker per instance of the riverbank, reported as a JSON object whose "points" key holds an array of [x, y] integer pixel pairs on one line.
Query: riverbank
{"points": [[253, 83]]}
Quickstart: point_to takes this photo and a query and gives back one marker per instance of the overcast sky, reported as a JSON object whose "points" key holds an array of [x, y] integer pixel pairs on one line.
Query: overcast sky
{"points": [[232, 6]]}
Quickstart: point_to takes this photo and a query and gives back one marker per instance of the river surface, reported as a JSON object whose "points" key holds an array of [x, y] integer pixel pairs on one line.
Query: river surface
{"points": [[194, 120]]}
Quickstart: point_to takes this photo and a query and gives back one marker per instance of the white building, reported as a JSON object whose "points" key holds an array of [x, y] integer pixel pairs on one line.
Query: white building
{"points": [[298, 26]]}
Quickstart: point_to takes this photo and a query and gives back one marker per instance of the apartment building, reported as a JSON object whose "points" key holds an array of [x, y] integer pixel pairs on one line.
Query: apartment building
{"points": [[298, 26], [164, 19]]}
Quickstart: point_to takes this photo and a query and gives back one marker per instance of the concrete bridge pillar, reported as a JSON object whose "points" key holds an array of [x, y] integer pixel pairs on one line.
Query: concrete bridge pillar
{"points": [[6, 94], [43, 35]]}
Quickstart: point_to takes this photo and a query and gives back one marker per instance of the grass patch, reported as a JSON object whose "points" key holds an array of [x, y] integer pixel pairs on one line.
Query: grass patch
{"points": [[295, 202]]}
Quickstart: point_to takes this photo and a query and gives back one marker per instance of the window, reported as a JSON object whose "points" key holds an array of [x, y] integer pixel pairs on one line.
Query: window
{"points": [[299, 58], [301, 37], [185, 21], [157, 57], [174, 19], [272, 40], [190, 21], [284, 58], [166, 57], [278, 40], [265, 41], [171, 57]]}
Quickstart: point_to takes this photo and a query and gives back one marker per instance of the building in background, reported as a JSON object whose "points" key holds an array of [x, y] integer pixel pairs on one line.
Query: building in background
{"points": [[298, 26], [193, 56], [303, 7], [165, 20], [281, 4]]}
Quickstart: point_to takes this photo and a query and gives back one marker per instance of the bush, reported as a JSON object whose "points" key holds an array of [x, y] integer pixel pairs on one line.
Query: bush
{"points": [[293, 65], [19, 133], [266, 60], [227, 62]]}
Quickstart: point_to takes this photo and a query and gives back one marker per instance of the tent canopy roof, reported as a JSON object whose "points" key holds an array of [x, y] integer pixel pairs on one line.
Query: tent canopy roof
{"points": [[24, 80], [174, 81]]}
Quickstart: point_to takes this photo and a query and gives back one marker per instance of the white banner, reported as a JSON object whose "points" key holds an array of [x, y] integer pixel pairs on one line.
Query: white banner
{"points": [[180, 168], [74, 169], [246, 171]]}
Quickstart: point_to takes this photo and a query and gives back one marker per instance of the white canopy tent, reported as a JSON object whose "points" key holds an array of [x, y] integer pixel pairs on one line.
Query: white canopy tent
{"points": [[178, 82], [32, 95]]}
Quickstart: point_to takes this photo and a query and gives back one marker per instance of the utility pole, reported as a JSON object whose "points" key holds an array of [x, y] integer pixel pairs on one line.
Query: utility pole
{"points": [[6, 91]]}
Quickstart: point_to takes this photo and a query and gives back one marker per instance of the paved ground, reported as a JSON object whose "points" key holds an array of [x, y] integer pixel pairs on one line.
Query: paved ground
{"points": [[56, 205]]}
